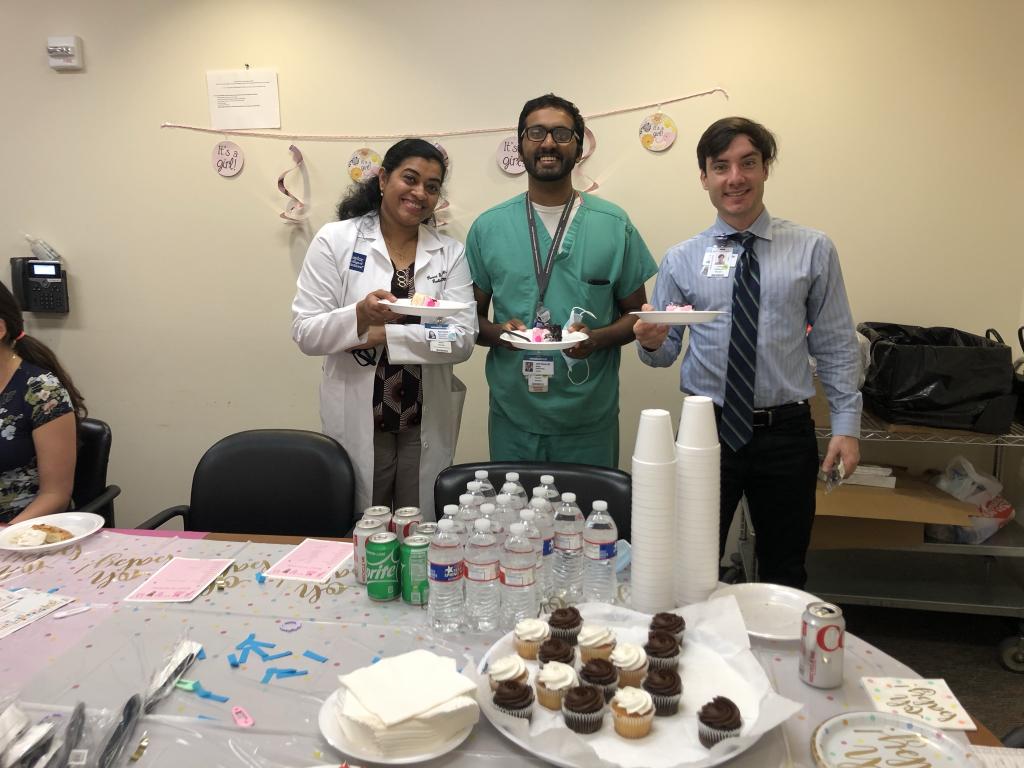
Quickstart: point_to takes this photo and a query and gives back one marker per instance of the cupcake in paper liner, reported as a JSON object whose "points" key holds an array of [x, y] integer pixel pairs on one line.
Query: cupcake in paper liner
{"points": [[662, 650], [672, 623], [631, 662], [719, 719], [632, 712], [514, 699], [595, 642], [666, 688], [509, 668], [601, 674], [529, 634], [553, 682], [583, 709], [556, 649], [565, 624]]}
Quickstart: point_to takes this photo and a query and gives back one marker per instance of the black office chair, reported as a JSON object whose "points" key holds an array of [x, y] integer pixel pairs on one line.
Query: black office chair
{"points": [[587, 482], [270, 481], [91, 492]]}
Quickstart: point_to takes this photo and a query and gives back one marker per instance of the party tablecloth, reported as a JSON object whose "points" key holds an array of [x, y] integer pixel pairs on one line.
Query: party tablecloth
{"points": [[103, 655]]}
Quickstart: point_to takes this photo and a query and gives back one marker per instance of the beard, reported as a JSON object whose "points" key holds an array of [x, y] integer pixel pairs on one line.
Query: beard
{"points": [[554, 173]]}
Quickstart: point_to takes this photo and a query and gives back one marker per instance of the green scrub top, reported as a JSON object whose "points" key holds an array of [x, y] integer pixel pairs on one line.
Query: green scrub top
{"points": [[602, 260]]}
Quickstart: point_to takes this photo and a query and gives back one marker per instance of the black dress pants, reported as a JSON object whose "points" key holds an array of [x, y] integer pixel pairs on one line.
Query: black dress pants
{"points": [[777, 470]]}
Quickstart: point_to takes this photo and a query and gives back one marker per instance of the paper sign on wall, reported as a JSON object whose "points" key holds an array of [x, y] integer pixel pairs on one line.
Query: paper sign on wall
{"points": [[243, 98]]}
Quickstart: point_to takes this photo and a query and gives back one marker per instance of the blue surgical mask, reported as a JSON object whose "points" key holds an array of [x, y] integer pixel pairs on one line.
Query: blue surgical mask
{"points": [[576, 317]]}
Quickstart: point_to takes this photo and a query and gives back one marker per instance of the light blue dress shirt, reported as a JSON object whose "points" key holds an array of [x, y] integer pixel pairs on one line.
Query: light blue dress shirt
{"points": [[801, 285]]}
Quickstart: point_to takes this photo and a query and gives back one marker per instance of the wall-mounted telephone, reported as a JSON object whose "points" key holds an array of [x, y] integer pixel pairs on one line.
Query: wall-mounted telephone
{"points": [[40, 285]]}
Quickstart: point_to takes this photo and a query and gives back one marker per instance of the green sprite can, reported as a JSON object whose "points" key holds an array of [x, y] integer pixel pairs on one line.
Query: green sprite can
{"points": [[414, 569], [382, 582]]}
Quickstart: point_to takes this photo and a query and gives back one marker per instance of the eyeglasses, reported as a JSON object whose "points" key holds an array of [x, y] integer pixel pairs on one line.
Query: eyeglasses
{"points": [[559, 133]]}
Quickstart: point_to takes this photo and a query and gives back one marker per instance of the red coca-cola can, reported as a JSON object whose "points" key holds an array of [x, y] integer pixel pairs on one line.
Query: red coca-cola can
{"points": [[364, 529], [405, 520], [822, 635]]}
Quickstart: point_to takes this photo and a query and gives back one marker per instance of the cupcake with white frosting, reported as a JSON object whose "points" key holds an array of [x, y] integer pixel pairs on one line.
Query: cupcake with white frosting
{"points": [[507, 669], [632, 712], [529, 634], [553, 681], [595, 642], [631, 661]]}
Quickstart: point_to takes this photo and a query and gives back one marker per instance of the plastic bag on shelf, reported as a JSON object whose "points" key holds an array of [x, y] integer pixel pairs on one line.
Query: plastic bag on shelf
{"points": [[962, 481]]}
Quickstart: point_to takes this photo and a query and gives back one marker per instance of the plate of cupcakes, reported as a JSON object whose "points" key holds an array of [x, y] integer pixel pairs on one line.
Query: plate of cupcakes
{"points": [[674, 689]]}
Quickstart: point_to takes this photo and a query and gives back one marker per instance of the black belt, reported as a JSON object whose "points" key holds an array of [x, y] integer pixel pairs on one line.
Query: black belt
{"points": [[769, 417]]}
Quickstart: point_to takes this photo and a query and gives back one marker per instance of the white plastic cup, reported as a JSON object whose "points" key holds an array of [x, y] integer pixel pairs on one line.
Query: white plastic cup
{"points": [[697, 428], [654, 437]]}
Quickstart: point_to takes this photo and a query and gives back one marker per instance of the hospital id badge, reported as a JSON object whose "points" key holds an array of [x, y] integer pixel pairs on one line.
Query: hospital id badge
{"points": [[718, 260], [439, 336], [538, 365]]}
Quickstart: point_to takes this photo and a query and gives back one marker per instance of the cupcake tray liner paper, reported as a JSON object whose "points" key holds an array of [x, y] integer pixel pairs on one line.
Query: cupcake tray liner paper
{"points": [[715, 660]]}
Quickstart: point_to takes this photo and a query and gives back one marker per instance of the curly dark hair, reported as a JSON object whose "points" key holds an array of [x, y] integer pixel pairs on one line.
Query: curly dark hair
{"points": [[364, 197]]}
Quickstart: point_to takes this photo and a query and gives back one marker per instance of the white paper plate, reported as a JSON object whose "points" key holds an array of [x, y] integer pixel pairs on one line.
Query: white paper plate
{"points": [[879, 735], [770, 611], [443, 309], [332, 731], [568, 340], [80, 524], [705, 674], [664, 317]]}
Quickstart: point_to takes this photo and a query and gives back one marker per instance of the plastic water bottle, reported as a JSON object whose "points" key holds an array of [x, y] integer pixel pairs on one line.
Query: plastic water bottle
{"points": [[599, 537], [506, 511], [475, 489], [529, 520], [451, 512], [568, 570], [483, 595], [517, 491], [445, 601], [540, 495], [490, 512], [544, 517], [517, 574], [469, 511], [547, 482], [485, 485]]}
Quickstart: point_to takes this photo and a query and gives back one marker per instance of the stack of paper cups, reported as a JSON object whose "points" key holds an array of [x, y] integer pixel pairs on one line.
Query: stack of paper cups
{"points": [[653, 514], [697, 495]]}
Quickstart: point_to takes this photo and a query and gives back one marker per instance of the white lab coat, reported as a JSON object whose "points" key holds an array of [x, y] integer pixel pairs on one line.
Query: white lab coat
{"points": [[333, 279]]}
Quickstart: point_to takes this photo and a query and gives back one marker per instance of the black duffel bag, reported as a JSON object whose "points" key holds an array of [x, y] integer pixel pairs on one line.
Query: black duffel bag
{"points": [[939, 377]]}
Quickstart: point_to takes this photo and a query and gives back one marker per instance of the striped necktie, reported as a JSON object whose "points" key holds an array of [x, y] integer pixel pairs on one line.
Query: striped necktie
{"points": [[738, 408]]}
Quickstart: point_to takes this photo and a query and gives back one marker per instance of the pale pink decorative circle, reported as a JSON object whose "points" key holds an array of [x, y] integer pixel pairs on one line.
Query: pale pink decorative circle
{"points": [[508, 157], [227, 158]]}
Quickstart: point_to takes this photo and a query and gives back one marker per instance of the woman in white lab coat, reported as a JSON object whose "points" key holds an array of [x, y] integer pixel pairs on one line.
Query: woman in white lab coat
{"points": [[388, 393]]}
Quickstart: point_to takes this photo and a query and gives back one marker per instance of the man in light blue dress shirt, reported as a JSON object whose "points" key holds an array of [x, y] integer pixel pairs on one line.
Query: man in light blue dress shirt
{"points": [[801, 285]]}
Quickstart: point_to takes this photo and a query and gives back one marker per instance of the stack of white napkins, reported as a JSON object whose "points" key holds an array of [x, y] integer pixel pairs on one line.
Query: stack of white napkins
{"points": [[407, 705]]}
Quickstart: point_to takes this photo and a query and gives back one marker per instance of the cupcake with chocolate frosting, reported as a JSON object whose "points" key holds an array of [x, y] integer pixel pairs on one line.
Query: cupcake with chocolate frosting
{"points": [[666, 689], [514, 699], [565, 624], [556, 649], [718, 719], [662, 649], [601, 674], [583, 709], [672, 623]]}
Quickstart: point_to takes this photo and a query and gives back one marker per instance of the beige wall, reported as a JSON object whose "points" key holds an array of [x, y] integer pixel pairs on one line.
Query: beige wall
{"points": [[899, 125]]}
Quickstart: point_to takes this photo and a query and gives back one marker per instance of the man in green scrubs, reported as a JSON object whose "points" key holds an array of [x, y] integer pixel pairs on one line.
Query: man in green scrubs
{"points": [[566, 251]]}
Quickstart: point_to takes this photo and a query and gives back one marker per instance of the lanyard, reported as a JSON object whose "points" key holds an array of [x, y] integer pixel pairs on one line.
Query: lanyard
{"points": [[543, 273]]}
